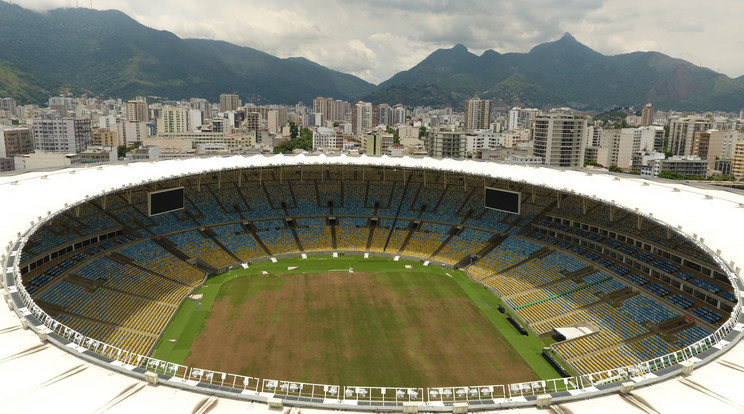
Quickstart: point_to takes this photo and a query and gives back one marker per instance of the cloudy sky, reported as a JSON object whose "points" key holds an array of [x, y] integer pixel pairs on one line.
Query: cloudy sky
{"points": [[376, 39]]}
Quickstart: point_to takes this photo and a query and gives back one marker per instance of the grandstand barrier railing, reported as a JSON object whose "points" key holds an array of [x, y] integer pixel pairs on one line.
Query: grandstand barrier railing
{"points": [[470, 394], [488, 396], [222, 380], [364, 395], [293, 390]]}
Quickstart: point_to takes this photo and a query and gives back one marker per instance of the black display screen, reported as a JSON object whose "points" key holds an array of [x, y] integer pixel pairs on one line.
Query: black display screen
{"points": [[503, 200], [165, 201]]}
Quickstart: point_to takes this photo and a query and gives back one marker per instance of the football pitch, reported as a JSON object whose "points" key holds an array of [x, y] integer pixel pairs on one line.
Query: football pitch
{"points": [[385, 323]]}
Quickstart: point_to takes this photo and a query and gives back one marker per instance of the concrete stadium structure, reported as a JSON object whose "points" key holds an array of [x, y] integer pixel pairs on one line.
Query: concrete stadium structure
{"points": [[63, 373]]}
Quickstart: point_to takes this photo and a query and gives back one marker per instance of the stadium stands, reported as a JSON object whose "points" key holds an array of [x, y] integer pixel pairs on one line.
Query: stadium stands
{"points": [[380, 235], [330, 191], [239, 241], [428, 195], [259, 204], [511, 251], [470, 241], [279, 240], [314, 235], [425, 241], [150, 255], [353, 234], [231, 200], [355, 200], [209, 210], [398, 235], [552, 266], [278, 193], [195, 244], [307, 201]]}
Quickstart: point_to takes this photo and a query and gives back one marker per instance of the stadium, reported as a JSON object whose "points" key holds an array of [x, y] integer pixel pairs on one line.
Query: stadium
{"points": [[632, 284]]}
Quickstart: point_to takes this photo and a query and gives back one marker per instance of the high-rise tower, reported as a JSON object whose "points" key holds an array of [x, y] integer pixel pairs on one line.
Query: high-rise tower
{"points": [[477, 113], [647, 115], [560, 139]]}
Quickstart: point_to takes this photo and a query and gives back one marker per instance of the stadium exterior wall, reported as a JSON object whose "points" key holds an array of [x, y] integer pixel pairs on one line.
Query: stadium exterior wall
{"points": [[604, 187]]}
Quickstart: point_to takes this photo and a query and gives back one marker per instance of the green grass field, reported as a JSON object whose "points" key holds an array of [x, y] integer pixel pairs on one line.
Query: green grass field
{"points": [[420, 287]]}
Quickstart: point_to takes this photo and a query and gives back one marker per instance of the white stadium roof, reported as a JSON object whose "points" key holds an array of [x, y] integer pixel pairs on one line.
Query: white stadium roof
{"points": [[40, 377]]}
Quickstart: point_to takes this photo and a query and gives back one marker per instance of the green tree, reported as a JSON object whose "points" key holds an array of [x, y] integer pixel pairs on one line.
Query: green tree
{"points": [[303, 141], [396, 135], [723, 177], [121, 150], [672, 175], [422, 132], [615, 168], [294, 130], [306, 139]]}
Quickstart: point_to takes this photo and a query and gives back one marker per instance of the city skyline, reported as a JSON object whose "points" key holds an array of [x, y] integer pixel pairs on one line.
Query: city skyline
{"points": [[397, 36]]}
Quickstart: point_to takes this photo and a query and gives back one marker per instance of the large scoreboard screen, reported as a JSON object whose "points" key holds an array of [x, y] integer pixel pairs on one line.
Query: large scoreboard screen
{"points": [[503, 200], [165, 201]]}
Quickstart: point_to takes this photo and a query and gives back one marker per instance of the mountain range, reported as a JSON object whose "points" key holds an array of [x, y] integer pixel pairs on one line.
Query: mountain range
{"points": [[563, 73], [108, 54]]}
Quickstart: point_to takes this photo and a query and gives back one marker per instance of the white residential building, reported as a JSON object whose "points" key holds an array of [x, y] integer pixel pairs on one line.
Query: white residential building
{"points": [[485, 139], [408, 132], [521, 118], [44, 159], [325, 138], [621, 144], [173, 120], [399, 114], [447, 144], [130, 132], [645, 162], [361, 117], [560, 139], [196, 119], [682, 133], [274, 121], [57, 134]]}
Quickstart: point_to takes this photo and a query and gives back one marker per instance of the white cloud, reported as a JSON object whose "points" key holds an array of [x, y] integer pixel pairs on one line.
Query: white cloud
{"points": [[375, 40]]}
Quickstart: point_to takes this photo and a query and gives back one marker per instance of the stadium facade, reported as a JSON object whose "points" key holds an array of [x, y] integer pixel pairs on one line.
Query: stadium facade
{"points": [[702, 221]]}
